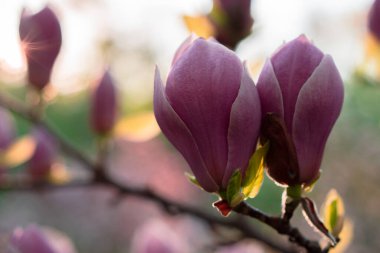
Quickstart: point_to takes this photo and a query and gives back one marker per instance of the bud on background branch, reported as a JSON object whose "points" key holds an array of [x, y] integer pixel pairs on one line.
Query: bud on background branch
{"points": [[374, 20], [41, 40], [103, 109], [44, 156]]}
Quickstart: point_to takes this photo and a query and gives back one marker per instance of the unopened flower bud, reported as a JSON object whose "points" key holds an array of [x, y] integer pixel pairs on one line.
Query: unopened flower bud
{"points": [[41, 39], [232, 21], [44, 155], [29, 240], [7, 134], [210, 111], [374, 20], [301, 95], [104, 106], [156, 236], [7, 129]]}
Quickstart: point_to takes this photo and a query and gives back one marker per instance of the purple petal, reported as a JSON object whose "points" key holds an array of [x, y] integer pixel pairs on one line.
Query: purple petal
{"points": [[30, 240], [179, 135], [293, 64], [104, 105], [183, 47], [244, 127], [41, 36], [201, 88], [44, 154], [7, 129], [270, 92], [319, 104], [374, 19]]}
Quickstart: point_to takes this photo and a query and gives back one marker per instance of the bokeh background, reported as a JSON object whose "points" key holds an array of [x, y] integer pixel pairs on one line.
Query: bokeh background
{"points": [[131, 37]]}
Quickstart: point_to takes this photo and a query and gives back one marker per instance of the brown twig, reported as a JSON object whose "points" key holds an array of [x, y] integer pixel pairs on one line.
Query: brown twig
{"points": [[282, 226]]}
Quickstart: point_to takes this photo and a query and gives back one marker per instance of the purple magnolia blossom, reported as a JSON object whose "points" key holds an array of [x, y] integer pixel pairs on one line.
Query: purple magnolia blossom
{"points": [[44, 154], [209, 110], [301, 95], [29, 240], [232, 20], [374, 19], [104, 106], [41, 38]]}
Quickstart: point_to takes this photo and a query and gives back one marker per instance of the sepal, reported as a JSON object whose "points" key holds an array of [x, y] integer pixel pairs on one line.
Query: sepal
{"points": [[254, 175], [311, 215]]}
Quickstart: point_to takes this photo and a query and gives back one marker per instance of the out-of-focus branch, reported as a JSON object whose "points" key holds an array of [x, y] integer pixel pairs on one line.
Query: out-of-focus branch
{"points": [[282, 226], [168, 205], [32, 115]]}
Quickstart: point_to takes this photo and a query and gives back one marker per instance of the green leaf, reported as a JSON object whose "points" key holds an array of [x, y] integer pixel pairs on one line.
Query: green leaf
{"points": [[255, 172], [234, 185], [334, 212]]}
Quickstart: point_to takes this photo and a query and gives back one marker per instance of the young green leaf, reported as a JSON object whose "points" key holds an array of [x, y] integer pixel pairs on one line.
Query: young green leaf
{"points": [[334, 212], [255, 172], [234, 185]]}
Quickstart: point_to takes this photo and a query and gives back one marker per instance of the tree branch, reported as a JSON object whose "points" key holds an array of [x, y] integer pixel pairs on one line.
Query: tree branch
{"points": [[281, 225]]}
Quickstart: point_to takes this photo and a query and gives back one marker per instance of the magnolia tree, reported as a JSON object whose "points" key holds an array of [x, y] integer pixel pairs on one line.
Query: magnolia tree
{"points": [[229, 130]]}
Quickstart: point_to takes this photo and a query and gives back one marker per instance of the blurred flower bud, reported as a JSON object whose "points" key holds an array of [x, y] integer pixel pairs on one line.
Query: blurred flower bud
{"points": [[44, 155], [157, 237], [301, 95], [232, 21], [244, 247], [41, 38], [7, 134], [29, 240], [210, 111], [33, 239], [374, 19], [7, 129], [104, 106]]}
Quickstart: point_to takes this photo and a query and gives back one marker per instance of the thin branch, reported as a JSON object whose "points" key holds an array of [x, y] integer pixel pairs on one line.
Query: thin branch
{"points": [[282, 226], [25, 112], [168, 205]]}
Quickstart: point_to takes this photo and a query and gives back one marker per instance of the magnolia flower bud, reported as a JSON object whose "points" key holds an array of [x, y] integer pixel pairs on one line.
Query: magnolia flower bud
{"points": [[41, 37], [29, 240], [7, 129], [209, 110], [104, 106], [232, 21], [7, 134], [301, 95], [374, 19], [44, 155], [156, 236]]}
